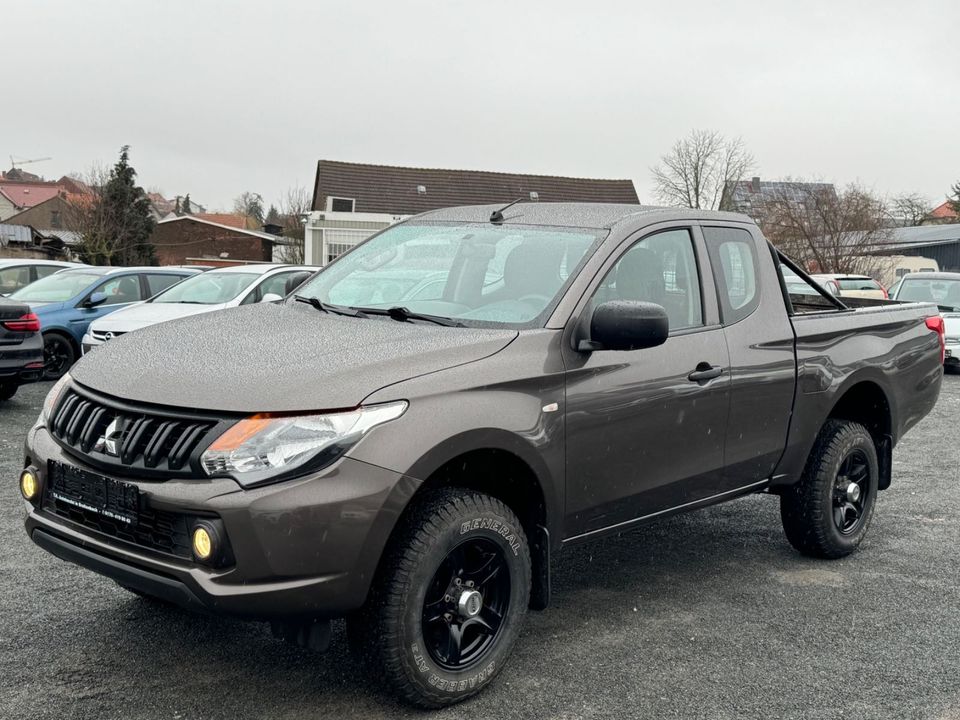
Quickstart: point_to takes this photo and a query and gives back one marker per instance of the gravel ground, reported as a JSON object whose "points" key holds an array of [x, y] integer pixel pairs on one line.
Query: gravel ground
{"points": [[707, 615]]}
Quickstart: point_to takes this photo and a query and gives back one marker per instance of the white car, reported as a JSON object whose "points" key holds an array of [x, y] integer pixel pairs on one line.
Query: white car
{"points": [[845, 285], [18, 273], [942, 288], [213, 290]]}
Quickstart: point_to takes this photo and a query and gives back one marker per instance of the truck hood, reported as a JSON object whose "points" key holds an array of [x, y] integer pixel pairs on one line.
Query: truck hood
{"points": [[143, 314], [276, 358]]}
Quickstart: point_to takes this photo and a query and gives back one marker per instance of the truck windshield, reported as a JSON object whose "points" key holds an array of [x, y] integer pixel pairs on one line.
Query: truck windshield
{"points": [[942, 292], [477, 275], [55, 288], [208, 288]]}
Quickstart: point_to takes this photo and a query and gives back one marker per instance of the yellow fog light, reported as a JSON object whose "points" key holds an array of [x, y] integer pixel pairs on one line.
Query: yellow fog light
{"points": [[202, 543], [29, 484]]}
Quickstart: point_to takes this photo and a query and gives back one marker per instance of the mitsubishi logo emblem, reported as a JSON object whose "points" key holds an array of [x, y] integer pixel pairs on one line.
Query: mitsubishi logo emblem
{"points": [[109, 442]]}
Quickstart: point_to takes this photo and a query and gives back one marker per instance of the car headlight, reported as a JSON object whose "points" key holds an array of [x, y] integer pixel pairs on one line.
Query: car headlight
{"points": [[261, 447], [50, 402]]}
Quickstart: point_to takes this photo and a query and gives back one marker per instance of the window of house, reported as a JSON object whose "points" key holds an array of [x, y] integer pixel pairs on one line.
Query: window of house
{"points": [[736, 271], [55, 221], [336, 204]]}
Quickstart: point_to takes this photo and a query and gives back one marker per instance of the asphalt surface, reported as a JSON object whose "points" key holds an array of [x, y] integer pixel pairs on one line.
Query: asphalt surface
{"points": [[706, 615]]}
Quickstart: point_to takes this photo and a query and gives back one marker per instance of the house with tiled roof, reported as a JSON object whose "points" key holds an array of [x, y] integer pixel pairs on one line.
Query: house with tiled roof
{"points": [[15, 197], [758, 198], [351, 201], [942, 214]]}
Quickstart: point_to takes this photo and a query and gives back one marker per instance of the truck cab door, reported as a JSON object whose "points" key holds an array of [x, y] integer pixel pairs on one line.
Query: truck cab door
{"points": [[645, 429], [762, 355]]}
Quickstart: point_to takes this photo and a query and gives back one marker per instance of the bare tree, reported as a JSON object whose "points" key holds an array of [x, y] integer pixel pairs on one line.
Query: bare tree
{"points": [[250, 205], [831, 232], [294, 207], [697, 169], [909, 209]]}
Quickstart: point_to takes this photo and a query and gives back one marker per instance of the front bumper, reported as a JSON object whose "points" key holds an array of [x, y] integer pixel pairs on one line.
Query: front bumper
{"points": [[88, 343], [304, 548]]}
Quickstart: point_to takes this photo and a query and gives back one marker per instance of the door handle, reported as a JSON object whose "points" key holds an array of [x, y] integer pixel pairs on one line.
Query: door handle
{"points": [[705, 372]]}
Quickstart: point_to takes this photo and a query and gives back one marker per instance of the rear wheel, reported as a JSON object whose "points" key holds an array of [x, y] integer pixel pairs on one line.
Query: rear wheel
{"points": [[827, 513], [58, 355], [8, 388], [446, 609]]}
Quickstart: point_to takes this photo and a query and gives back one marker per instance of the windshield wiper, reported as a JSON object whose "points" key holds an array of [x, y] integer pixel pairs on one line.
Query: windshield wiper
{"points": [[327, 307], [402, 314]]}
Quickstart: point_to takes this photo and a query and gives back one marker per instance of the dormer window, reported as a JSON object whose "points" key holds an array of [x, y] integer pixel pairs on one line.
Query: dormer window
{"points": [[339, 204]]}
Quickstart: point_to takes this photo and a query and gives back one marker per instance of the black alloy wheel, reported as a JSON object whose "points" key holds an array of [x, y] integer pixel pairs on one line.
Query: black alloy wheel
{"points": [[58, 356], [445, 609], [465, 603], [850, 492], [827, 512]]}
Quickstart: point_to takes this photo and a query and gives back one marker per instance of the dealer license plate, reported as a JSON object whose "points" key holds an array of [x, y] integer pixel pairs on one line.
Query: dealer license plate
{"points": [[96, 493]]}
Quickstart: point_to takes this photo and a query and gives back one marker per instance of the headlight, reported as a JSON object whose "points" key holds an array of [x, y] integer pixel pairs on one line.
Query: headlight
{"points": [[50, 402], [261, 447]]}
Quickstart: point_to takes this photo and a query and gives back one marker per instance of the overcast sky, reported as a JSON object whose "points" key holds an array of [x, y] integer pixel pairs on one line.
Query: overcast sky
{"points": [[216, 97]]}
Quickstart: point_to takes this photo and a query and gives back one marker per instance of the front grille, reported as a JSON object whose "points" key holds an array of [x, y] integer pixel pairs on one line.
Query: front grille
{"points": [[158, 530], [130, 440]]}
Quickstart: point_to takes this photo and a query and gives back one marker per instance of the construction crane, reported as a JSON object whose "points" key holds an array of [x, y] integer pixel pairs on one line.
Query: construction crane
{"points": [[15, 163]]}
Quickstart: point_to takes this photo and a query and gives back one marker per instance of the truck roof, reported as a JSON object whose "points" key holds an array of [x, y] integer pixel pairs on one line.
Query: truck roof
{"points": [[575, 215]]}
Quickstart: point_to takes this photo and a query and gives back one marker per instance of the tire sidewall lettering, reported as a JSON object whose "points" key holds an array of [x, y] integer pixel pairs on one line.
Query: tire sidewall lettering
{"points": [[497, 527]]}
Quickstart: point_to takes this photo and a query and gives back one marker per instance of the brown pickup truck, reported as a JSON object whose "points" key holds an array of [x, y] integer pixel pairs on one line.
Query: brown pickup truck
{"points": [[409, 439]]}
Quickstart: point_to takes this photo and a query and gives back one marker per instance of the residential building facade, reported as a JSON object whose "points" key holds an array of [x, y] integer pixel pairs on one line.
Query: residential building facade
{"points": [[352, 201]]}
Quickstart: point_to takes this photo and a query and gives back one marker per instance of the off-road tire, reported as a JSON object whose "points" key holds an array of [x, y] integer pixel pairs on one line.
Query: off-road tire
{"points": [[388, 632], [8, 389], [807, 508]]}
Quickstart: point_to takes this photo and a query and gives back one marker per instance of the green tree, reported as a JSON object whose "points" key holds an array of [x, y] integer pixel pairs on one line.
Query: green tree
{"points": [[185, 206], [954, 198], [117, 225], [273, 216]]}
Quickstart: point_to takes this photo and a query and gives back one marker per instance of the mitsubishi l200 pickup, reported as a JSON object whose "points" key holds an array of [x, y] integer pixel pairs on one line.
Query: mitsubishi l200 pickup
{"points": [[410, 438]]}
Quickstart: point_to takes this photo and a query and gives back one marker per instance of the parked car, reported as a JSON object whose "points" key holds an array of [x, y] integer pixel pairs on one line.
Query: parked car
{"points": [[211, 290], [18, 273], [415, 467], [21, 347], [68, 301], [942, 288], [858, 286]]}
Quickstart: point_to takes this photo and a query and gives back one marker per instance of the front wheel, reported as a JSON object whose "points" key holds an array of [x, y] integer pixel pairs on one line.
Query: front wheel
{"points": [[827, 513], [446, 608]]}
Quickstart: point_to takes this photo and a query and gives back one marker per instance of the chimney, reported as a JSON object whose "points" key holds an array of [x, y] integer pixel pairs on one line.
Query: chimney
{"points": [[755, 184]]}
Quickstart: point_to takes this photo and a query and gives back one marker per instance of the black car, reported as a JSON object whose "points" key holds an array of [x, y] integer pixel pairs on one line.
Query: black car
{"points": [[21, 347]]}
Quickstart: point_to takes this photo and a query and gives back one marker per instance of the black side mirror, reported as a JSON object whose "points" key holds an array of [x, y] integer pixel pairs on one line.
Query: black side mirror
{"points": [[626, 325]]}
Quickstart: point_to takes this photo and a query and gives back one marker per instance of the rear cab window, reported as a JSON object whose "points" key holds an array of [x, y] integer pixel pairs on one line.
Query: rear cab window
{"points": [[736, 271]]}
